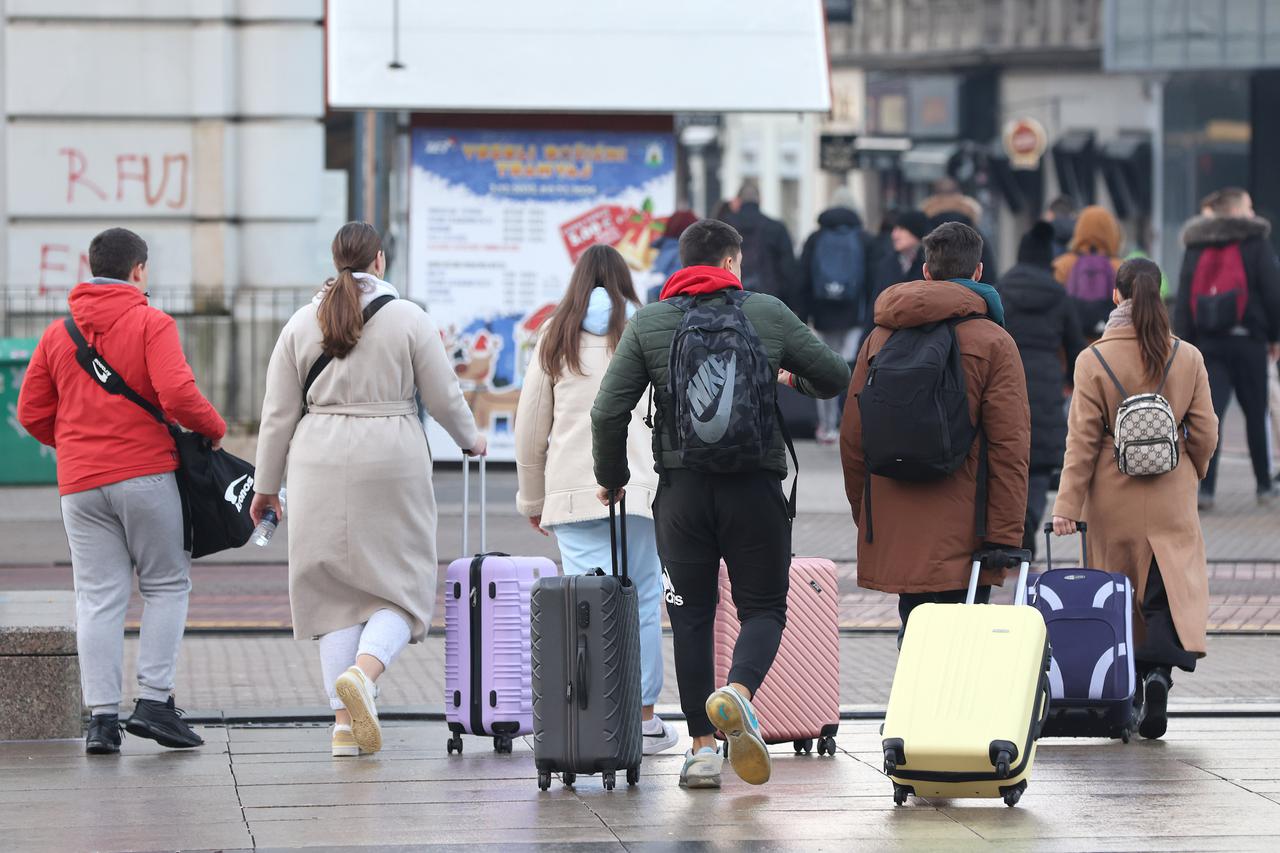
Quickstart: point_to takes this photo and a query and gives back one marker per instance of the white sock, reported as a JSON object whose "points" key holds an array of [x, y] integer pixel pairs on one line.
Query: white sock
{"points": [[653, 726]]}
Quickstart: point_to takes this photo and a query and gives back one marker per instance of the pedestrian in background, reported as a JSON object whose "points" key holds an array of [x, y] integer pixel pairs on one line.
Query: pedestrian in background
{"points": [[1061, 215], [1039, 317], [1088, 270], [557, 486], [1146, 527], [1229, 306], [667, 263], [120, 501], [835, 292], [906, 260], [362, 538], [768, 255], [917, 539]]}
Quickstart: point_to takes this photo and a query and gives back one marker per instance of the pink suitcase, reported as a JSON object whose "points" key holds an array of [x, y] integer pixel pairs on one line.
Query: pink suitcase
{"points": [[487, 680], [799, 700]]}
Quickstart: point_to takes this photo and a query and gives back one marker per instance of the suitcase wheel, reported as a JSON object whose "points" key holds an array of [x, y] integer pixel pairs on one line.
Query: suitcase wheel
{"points": [[805, 747], [501, 744], [1012, 795], [455, 744], [1125, 734], [827, 746], [569, 778], [610, 780], [544, 780], [900, 794], [633, 776]]}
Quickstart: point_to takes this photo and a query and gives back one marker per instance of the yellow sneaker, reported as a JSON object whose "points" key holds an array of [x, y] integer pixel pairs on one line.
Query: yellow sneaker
{"points": [[357, 693], [731, 713], [344, 743]]}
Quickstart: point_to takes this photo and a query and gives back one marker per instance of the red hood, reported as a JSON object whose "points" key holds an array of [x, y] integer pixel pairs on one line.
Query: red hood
{"points": [[96, 307], [692, 281]]}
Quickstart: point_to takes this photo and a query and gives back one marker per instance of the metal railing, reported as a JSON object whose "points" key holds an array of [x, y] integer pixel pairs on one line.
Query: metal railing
{"points": [[228, 344]]}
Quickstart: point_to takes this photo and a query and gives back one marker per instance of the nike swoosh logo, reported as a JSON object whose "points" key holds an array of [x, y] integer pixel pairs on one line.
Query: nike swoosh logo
{"points": [[231, 489], [712, 428], [101, 371]]}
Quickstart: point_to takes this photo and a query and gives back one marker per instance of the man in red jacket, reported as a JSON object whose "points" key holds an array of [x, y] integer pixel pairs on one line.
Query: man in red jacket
{"points": [[120, 502]]}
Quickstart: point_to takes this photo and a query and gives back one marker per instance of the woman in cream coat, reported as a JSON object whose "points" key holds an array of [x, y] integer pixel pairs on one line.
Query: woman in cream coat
{"points": [[362, 511], [557, 485], [1146, 527]]}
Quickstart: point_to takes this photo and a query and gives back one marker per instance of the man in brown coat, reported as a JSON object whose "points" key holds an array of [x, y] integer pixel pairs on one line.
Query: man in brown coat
{"points": [[925, 533]]}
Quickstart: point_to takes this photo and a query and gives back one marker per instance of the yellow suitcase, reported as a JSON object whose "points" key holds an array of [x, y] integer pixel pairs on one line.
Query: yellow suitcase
{"points": [[970, 695]]}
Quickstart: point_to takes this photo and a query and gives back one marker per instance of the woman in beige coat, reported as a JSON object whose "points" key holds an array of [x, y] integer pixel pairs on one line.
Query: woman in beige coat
{"points": [[553, 454], [362, 511], [1146, 527]]}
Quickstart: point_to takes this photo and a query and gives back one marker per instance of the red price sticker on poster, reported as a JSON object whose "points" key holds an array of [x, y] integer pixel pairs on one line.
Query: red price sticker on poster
{"points": [[601, 224]]}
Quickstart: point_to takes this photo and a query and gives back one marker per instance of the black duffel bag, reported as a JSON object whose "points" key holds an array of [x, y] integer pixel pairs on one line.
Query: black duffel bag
{"points": [[216, 486]]}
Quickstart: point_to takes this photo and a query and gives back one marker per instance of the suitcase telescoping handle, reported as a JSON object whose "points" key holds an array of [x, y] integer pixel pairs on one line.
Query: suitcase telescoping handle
{"points": [[618, 519], [1001, 560], [466, 505], [1081, 526]]}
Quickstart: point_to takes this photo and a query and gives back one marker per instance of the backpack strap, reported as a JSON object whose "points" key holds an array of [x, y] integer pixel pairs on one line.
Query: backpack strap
{"points": [[1168, 364], [795, 461], [1114, 380], [105, 376], [318, 366]]}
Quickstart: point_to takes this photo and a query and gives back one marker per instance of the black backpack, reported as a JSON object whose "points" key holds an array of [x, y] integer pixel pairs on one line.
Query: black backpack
{"points": [[915, 411], [723, 392], [839, 267]]}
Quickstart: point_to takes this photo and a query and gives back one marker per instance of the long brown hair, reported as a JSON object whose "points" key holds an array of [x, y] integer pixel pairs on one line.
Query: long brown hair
{"points": [[1139, 279], [599, 266], [355, 247]]}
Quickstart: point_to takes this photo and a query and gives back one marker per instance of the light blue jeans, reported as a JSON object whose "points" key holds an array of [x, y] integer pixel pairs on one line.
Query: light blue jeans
{"points": [[584, 547]]}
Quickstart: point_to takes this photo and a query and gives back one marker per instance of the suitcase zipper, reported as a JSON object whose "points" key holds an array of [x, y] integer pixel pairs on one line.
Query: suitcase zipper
{"points": [[477, 661]]}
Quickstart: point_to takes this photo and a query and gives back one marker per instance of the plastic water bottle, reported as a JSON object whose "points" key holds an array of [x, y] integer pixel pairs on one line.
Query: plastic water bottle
{"points": [[267, 527]]}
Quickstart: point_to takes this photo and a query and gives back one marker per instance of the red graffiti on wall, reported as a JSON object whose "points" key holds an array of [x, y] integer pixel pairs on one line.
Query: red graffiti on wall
{"points": [[55, 258], [164, 179]]}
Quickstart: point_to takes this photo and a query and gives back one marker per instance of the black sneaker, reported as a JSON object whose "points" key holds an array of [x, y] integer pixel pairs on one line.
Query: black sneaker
{"points": [[104, 735], [162, 723], [1153, 718]]}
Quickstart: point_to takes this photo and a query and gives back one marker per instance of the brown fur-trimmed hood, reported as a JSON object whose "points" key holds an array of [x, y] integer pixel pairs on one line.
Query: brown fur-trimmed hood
{"points": [[1216, 230]]}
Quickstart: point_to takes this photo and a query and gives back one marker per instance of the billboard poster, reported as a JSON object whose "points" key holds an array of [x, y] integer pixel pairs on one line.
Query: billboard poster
{"points": [[497, 220]]}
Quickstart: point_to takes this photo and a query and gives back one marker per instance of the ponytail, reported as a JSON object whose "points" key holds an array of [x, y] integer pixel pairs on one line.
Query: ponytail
{"points": [[1139, 280], [355, 248], [341, 320]]}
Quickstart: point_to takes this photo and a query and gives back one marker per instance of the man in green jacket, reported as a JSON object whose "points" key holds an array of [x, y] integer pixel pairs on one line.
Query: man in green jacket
{"points": [[708, 512]]}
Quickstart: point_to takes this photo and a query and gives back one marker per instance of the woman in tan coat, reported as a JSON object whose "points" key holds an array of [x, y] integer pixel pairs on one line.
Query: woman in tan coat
{"points": [[557, 485], [362, 511], [1146, 527]]}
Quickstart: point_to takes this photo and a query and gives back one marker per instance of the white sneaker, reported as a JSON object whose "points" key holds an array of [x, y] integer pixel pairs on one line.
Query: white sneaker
{"points": [[357, 693], [344, 743], [660, 740], [702, 769], [731, 713]]}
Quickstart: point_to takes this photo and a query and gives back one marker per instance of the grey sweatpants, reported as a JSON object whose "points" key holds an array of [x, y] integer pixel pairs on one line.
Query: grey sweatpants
{"points": [[112, 530]]}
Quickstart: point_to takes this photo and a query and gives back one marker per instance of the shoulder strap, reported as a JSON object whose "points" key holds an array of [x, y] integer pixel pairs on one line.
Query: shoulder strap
{"points": [[323, 361], [1111, 373], [1168, 364], [105, 375]]}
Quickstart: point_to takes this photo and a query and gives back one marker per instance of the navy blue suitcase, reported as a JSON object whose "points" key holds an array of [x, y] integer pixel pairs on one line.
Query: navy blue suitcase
{"points": [[1089, 614]]}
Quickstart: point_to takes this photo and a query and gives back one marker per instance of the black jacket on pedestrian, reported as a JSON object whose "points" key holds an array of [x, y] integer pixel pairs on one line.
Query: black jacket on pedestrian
{"points": [[1262, 272], [826, 315], [768, 256], [888, 271], [1039, 316]]}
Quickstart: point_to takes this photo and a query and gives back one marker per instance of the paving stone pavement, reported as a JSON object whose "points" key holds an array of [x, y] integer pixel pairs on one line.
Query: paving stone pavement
{"points": [[244, 675], [1212, 784]]}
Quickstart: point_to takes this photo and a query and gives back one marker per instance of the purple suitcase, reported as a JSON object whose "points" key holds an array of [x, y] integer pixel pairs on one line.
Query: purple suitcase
{"points": [[487, 681], [1089, 614]]}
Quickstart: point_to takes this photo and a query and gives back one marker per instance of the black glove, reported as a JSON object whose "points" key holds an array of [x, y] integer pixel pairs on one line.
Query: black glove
{"points": [[997, 556]]}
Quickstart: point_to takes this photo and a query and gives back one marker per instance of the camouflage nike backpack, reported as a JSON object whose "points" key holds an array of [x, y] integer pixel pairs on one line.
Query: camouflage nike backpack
{"points": [[722, 389]]}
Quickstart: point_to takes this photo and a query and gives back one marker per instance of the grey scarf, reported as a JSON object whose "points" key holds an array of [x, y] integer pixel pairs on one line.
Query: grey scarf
{"points": [[1122, 315]]}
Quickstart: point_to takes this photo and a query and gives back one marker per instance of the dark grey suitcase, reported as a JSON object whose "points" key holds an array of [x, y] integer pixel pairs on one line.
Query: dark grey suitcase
{"points": [[585, 631]]}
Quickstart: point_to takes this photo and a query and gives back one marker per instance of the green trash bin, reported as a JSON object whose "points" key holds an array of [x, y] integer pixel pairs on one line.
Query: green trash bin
{"points": [[23, 460]]}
